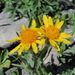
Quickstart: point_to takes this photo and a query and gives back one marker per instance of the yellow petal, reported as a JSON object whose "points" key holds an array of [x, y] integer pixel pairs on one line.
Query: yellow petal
{"points": [[45, 20], [50, 21], [59, 39], [27, 46], [57, 21], [53, 43], [23, 27], [66, 41], [65, 35], [42, 30], [33, 25], [41, 42], [63, 40], [15, 49], [17, 38], [39, 30], [34, 47], [59, 25], [21, 50]]}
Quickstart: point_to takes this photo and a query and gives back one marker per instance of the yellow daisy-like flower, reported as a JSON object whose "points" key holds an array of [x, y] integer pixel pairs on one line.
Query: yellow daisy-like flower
{"points": [[52, 32], [29, 37]]}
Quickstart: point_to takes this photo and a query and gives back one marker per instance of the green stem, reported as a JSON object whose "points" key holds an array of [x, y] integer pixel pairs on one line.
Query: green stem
{"points": [[1, 71], [45, 51]]}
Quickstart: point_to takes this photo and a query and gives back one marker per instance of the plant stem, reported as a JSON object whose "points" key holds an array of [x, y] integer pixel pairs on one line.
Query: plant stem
{"points": [[1, 71]]}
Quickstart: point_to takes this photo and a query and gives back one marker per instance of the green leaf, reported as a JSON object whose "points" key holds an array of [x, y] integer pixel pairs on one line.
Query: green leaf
{"points": [[25, 1], [63, 47], [1, 71], [50, 73], [21, 65], [68, 72], [0, 58], [73, 71], [43, 71], [17, 33], [29, 59], [4, 55], [6, 64], [70, 50], [38, 64], [12, 72]]}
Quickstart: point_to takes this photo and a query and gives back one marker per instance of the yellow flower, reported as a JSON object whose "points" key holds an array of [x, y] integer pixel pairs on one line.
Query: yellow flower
{"points": [[29, 37], [52, 32]]}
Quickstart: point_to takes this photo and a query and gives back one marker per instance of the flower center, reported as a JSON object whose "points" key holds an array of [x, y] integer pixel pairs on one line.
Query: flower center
{"points": [[52, 32], [28, 36]]}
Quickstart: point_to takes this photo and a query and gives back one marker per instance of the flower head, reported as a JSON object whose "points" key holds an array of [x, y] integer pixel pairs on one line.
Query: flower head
{"points": [[28, 37], [52, 32]]}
